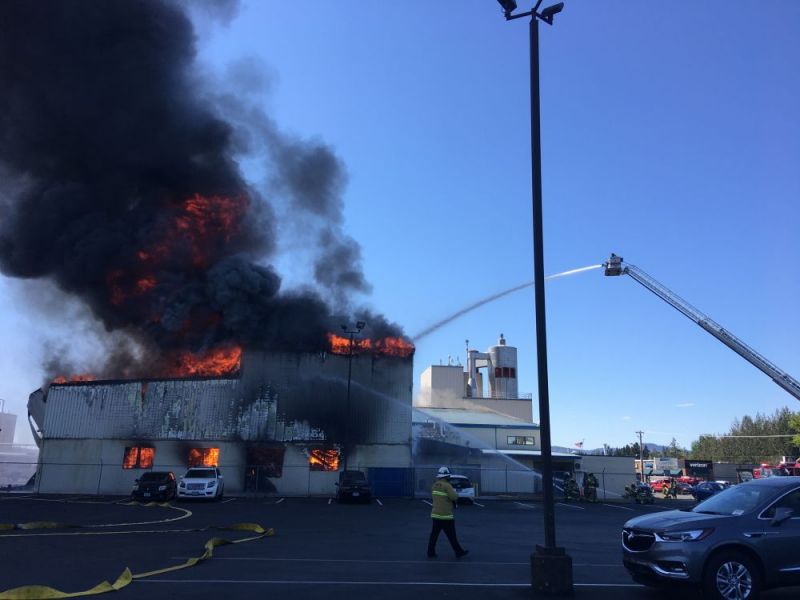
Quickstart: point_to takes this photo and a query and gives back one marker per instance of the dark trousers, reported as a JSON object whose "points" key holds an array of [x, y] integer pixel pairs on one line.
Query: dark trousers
{"points": [[449, 528]]}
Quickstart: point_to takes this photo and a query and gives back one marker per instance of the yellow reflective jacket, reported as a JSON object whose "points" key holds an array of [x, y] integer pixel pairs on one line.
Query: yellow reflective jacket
{"points": [[442, 497]]}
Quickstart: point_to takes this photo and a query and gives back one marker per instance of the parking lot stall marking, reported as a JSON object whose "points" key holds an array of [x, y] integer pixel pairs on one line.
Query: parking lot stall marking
{"points": [[621, 507], [524, 505], [428, 502], [525, 584], [329, 501], [378, 501], [229, 500], [478, 504], [30, 592], [186, 514], [570, 506], [281, 500]]}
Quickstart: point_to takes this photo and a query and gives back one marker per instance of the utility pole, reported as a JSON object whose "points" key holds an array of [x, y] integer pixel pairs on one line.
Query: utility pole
{"points": [[641, 453]]}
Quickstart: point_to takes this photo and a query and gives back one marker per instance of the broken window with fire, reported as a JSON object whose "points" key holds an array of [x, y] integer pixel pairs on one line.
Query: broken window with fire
{"points": [[322, 459], [138, 457], [204, 457]]}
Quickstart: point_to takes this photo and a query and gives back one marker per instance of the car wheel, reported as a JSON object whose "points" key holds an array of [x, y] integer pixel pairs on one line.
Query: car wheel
{"points": [[731, 575]]}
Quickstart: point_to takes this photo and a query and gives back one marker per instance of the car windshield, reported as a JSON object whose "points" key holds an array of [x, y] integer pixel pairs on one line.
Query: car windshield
{"points": [[460, 483], [200, 474], [153, 477], [735, 500]]}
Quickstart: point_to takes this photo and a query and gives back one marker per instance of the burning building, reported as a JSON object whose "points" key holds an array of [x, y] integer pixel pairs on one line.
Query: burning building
{"points": [[121, 186], [282, 424]]}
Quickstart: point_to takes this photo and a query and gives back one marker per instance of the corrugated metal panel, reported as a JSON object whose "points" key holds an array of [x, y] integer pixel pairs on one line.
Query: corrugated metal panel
{"points": [[182, 409], [287, 397]]}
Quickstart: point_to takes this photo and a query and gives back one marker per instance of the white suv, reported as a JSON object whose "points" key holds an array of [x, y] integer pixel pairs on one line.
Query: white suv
{"points": [[201, 482]]}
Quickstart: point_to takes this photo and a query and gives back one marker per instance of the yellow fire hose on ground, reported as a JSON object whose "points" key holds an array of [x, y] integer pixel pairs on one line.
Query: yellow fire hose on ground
{"points": [[31, 592]]}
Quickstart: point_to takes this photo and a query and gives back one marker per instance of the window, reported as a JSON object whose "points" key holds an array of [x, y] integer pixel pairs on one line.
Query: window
{"points": [[203, 457], [498, 372], [321, 459], [512, 373], [138, 457], [268, 459], [521, 440], [790, 500]]}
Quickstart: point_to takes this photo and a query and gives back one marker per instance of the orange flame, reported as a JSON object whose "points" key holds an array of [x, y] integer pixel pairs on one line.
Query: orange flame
{"points": [[218, 361], [389, 346], [145, 284], [74, 378], [206, 218], [201, 225], [320, 459], [204, 457]]}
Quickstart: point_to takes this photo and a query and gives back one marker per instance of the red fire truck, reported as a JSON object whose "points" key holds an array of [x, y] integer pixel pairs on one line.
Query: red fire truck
{"points": [[782, 469]]}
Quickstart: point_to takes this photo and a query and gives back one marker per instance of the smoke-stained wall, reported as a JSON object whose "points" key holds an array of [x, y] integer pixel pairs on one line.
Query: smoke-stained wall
{"points": [[288, 400]]}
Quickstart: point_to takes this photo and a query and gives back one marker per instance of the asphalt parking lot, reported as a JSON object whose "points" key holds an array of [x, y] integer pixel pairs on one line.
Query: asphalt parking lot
{"points": [[320, 549]]}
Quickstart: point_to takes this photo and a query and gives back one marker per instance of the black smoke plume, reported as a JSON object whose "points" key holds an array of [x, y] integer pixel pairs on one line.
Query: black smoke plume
{"points": [[118, 182]]}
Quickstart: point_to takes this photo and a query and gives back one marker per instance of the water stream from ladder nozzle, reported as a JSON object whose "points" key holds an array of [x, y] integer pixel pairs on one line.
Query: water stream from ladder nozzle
{"points": [[492, 298]]}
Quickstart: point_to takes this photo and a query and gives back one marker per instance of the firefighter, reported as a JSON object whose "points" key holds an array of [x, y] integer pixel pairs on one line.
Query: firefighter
{"points": [[571, 489], [443, 499], [590, 488], [673, 488]]}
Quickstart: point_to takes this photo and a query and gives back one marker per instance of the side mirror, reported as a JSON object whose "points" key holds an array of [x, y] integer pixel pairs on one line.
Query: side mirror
{"points": [[782, 513]]}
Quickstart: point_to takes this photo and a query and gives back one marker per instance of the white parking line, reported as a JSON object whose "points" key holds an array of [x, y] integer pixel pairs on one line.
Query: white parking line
{"points": [[478, 504], [229, 500], [525, 584], [570, 506], [329, 501], [428, 502], [523, 505], [378, 501], [622, 507], [281, 500]]}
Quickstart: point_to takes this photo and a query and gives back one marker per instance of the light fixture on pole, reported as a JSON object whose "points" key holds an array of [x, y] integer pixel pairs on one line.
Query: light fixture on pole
{"points": [[352, 333], [551, 567]]}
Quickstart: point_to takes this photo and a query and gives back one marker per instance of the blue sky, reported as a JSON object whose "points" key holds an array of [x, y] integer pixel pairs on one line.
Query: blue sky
{"points": [[670, 135]]}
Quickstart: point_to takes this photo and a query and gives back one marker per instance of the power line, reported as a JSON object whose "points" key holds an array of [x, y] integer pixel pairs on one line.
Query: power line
{"points": [[777, 435]]}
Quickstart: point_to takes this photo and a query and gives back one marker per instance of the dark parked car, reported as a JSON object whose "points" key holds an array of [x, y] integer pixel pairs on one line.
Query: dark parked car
{"points": [[705, 490], [353, 485], [155, 485], [735, 544]]}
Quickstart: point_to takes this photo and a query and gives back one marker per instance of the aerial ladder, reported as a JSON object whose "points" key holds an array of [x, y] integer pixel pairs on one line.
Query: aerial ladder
{"points": [[615, 267]]}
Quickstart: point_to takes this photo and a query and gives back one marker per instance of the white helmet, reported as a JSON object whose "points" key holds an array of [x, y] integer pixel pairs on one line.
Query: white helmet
{"points": [[443, 472]]}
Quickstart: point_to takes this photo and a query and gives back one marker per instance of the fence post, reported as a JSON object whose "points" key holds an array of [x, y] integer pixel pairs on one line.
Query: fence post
{"points": [[604, 484]]}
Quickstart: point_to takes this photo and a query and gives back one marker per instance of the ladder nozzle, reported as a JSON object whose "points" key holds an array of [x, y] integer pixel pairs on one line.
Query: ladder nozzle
{"points": [[613, 266]]}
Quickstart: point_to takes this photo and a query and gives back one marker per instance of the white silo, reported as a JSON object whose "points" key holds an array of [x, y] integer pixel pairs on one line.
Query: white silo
{"points": [[503, 372]]}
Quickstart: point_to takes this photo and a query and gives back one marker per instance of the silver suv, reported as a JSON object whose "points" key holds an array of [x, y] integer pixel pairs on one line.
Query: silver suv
{"points": [[735, 544]]}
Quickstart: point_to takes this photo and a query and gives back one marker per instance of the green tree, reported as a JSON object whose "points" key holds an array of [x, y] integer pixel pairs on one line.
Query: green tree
{"points": [[752, 439]]}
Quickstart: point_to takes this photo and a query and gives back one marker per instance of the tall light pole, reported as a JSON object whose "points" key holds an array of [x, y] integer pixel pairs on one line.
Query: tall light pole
{"points": [[551, 567], [352, 333]]}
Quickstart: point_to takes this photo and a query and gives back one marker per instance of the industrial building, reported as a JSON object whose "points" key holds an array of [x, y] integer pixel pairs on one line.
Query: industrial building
{"points": [[475, 420], [282, 425]]}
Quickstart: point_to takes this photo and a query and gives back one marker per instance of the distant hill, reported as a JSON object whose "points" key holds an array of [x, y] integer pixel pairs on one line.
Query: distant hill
{"points": [[654, 449]]}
